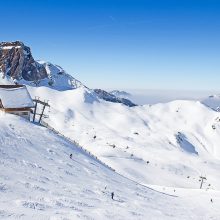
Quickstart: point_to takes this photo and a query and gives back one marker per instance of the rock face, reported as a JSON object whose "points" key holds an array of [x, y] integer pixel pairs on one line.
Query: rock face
{"points": [[112, 98], [16, 62]]}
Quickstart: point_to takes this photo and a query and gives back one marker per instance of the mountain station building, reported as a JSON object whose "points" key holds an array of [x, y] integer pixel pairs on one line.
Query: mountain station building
{"points": [[15, 99]]}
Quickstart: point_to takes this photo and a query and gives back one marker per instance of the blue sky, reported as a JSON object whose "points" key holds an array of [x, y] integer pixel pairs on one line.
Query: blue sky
{"points": [[125, 44]]}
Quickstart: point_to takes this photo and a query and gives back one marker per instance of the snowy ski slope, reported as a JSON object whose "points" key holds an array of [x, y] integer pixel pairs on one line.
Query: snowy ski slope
{"points": [[38, 180], [168, 144]]}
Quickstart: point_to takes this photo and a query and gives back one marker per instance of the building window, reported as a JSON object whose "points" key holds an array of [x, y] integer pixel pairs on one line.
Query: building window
{"points": [[24, 113]]}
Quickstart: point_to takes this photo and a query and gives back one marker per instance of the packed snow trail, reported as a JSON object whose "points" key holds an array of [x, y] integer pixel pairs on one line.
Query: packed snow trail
{"points": [[38, 180]]}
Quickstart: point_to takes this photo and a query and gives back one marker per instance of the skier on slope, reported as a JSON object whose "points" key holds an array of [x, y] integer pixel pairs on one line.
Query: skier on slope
{"points": [[71, 155], [112, 194]]}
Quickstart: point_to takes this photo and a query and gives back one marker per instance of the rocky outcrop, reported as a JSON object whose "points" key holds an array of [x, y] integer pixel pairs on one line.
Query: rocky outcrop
{"points": [[16, 62], [112, 98], [120, 94]]}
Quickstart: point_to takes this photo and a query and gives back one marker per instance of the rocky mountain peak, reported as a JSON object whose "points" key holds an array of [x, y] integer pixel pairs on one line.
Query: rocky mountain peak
{"points": [[12, 44], [17, 62], [17, 65]]}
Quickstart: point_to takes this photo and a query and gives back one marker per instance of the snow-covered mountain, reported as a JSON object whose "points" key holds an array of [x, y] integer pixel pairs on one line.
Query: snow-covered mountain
{"points": [[112, 98], [168, 144], [39, 181], [57, 78], [167, 147], [213, 101], [120, 94], [17, 65]]}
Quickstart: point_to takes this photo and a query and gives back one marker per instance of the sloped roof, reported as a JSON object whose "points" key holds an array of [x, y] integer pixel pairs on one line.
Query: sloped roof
{"points": [[11, 86], [15, 97]]}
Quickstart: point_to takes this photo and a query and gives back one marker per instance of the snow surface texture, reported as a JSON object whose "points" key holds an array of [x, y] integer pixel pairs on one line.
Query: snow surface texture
{"points": [[38, 180], [168, 144], [15, 98]]}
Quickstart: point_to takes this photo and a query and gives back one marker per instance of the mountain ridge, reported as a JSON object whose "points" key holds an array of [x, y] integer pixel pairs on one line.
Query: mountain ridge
{"points": [[17, 66]]}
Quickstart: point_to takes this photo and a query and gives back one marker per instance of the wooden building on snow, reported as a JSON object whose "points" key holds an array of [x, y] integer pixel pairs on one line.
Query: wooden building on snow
{"points": [[15, 99]]}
